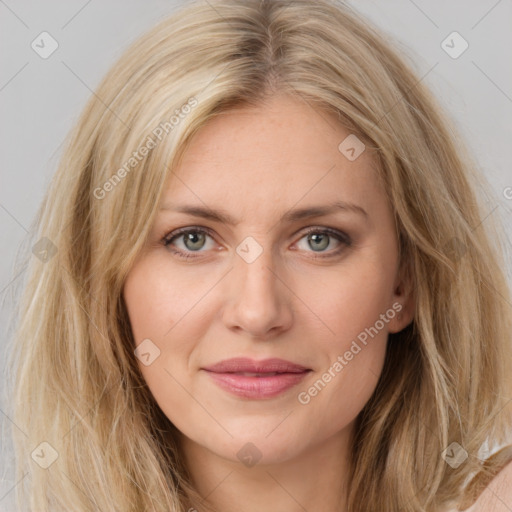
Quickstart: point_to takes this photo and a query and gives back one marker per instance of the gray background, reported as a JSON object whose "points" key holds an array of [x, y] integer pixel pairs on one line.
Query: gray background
{"points": [[40, 100]]}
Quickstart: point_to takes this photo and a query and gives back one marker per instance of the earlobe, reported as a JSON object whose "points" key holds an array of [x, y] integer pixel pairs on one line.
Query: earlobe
{"points": [[404, 302], [397, 323]]}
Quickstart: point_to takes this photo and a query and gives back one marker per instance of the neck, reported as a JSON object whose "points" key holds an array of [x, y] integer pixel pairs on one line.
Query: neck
{"points": [[315, 479]]}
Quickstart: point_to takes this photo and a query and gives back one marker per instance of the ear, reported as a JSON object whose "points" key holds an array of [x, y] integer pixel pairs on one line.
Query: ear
{"points": [[403, 301]]}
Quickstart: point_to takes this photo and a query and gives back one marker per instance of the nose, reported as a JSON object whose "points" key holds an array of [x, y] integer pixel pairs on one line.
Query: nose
{"points": [[259, 300]]}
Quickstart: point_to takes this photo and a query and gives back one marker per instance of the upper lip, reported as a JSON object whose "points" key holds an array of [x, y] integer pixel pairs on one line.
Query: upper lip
{"points": [[244, 364]]}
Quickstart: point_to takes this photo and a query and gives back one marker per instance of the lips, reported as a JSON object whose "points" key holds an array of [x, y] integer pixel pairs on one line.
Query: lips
{"points": [[256, 379], [246, 365]]}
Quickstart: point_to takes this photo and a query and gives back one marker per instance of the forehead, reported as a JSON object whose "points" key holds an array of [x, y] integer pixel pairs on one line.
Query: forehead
{"points": [[280, 153]]}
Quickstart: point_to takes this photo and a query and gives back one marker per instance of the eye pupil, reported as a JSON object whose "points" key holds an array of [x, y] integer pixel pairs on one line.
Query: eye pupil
{"points": [[193, 236], [315, 238]]}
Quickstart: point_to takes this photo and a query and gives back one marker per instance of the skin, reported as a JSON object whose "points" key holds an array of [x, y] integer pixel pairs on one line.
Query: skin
{"points": [[257, 164], [497, 496]]}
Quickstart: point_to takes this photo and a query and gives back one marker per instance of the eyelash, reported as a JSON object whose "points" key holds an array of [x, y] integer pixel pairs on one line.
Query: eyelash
{"points": [[343, 238]]}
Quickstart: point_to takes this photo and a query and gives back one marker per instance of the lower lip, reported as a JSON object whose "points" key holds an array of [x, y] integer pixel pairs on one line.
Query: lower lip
{"points": [[257, 387]]}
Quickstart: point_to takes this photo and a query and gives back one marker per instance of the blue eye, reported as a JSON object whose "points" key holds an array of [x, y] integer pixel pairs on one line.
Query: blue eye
{"points": [[319, 239], [193, 240]]}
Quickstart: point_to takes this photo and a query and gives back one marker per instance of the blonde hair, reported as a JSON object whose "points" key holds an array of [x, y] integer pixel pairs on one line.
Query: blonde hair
{"points": [[77, 385]]}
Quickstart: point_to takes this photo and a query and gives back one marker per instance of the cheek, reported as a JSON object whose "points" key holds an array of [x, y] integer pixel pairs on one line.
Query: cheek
{"points": [[349, 304], [158, 298], [335, 399], [355, 312], [163, 322], [354, 356]]}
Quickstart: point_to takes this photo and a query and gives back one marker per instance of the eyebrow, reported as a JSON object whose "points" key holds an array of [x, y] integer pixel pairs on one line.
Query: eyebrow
{"points": [[290, 216]]}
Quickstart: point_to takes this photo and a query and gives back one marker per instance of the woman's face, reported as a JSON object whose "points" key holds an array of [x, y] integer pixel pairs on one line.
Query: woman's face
{"points": [[275, 270]]}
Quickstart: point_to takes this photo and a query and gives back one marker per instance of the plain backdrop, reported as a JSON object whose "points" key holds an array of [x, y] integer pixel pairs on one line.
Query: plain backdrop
{"points": [[40, 99]]}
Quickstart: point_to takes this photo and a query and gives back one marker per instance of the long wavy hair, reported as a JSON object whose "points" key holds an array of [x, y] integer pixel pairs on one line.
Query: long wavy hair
{"points": [[76, 384]]}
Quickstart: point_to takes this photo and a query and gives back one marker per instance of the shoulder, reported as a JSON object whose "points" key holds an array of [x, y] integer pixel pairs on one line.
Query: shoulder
{"points": [[497, 496]]}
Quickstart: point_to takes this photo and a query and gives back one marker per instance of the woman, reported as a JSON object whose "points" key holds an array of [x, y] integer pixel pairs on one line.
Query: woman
{"points": [[272, 288]]}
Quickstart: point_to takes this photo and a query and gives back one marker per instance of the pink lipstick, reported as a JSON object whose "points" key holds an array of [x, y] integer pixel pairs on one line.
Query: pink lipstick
{"points": [[256, 380]]}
